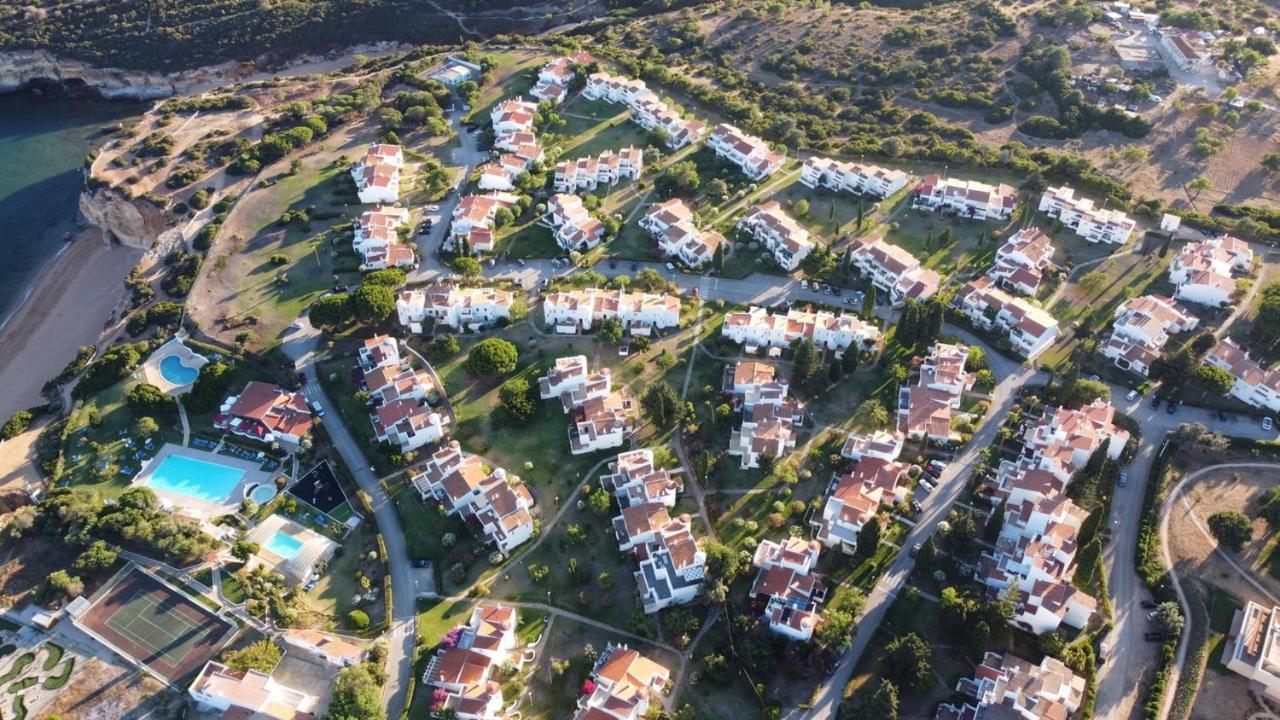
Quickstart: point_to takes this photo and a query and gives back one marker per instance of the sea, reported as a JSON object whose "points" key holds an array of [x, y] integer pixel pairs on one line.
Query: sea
{"points": [[44, 140]]}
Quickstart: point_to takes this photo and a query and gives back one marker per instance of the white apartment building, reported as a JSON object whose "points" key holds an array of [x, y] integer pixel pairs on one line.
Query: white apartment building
{"points": [[752, 383], [572, 223], [894, 270], [757, 327], [377, 174], [1141, 328], [1021, 262], [852, 177], [791, 586], [464, 671], [331, 649], [513, 115], [503, 172], [966, 198], [1014, 688], [1097, 225], [752, 155], [1203, 272], [579, 310], [1252, 648], [1185, 49], [647, 109], [854, 499], [671, 223], [880, 444], [249, 691], [453, 306], [671, 565], [785, 238], [1253, 386], [589, 173], [768, 429], [626, 685], [473, 219], [634, 479], [376, 239], [497, 503], [1030, 329], [926, 409], [601, 422]]}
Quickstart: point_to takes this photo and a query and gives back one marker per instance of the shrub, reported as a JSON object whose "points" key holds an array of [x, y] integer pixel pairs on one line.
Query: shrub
{"points": [[358, 619]]}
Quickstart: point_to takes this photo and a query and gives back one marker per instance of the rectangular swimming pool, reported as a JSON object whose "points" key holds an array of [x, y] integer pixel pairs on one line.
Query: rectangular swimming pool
{"points": [[284, 545], [211, 482]]}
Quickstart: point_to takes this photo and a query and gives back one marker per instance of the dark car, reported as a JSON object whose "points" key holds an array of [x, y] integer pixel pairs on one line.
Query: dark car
{"points": [[1153, 636], [1155, 403], [1222, 415], [835, 291], [635, 267], [915, 507], [915, 550], [1148, 604], [612, 264], [1173, 407]]}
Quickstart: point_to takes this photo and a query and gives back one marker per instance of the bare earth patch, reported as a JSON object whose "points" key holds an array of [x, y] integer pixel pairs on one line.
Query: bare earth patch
{"points": [[101, 691]]}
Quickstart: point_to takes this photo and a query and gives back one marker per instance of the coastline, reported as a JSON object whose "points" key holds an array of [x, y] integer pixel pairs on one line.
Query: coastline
{"points": [[31, 286], [67, 305]]}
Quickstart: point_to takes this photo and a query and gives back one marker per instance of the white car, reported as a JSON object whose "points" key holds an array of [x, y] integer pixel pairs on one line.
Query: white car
{"points": [[1267, 423], [1133, 395]]}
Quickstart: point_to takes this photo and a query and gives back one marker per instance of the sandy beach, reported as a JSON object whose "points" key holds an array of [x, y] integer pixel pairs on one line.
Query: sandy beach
{"points": [[69, 304]]}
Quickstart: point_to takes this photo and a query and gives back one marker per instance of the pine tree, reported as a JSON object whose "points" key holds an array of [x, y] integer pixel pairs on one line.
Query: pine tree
{"points": [[869, 303], [928, 242], [860, 210], [868, 539], [717, 260]]}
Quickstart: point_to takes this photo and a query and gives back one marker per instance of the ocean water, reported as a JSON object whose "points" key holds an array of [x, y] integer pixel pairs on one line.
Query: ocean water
{"points": [[43, 144]]}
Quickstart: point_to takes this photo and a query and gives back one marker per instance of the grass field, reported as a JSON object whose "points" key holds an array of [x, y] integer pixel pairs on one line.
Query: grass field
{"points": [[100, 440]]}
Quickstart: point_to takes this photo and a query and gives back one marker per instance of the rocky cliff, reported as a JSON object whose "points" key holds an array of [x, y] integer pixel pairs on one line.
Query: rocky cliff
{"points": [[135, 223], [18, 69]]}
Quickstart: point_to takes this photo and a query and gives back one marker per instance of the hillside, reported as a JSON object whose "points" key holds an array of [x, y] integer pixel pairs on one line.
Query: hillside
{"points": [[953, 82], [178, 34]]}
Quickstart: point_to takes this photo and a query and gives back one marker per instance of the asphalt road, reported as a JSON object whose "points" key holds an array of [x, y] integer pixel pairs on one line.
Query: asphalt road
{"points": [[301, 345]]}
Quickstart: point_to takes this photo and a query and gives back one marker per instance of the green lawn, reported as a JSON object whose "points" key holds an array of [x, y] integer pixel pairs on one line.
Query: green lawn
{"points": [[274, 293], [831, 214], [98, 456], [613, 134], [333, 593], [971, 249], [532, 241], [232, 588]]}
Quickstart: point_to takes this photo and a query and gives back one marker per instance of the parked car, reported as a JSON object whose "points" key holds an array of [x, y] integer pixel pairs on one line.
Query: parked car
{"points": [[804, 284], [850, 301], [1267, 423], [1153, 637], [635, 267], [915, 550], [520, 262], [835, 291], [624, 350], [1123, 479], [1153, 614], [935, 467], [671, 268], [927, 485], [1155, 403], [1173, 407], [915, 507], [1133, 395], [1148, 604], [1222, 415]]}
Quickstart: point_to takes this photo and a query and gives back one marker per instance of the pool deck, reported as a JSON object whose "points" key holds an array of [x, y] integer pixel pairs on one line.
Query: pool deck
{"points": [[297, 568], [194, 506], [174, 348]]}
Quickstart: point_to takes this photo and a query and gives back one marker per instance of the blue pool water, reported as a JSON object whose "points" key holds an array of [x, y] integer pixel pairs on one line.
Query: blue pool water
{"points": [[262, 493], [172, 369], [284, 544], [202, 480]]}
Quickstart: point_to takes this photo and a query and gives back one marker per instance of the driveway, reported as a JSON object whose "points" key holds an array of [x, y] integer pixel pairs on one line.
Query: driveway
{"points": [[301, 345]]}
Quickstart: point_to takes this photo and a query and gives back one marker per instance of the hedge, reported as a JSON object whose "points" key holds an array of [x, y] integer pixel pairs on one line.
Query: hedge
{"points": [[55, 654], [1154, 575], [55, 682]]}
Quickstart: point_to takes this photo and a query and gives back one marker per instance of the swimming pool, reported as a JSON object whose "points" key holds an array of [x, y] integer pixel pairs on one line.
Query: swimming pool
{"points": [[262, 493], [172, 369], [202, 480], [284, 545]]}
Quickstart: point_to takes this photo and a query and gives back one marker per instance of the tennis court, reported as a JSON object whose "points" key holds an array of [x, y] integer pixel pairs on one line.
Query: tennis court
{"points": [[155, 625]]}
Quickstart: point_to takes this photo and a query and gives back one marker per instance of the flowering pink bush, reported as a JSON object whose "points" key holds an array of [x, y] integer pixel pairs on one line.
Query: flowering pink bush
{"points": [[451, 638], [588, 686], [438, 698]]}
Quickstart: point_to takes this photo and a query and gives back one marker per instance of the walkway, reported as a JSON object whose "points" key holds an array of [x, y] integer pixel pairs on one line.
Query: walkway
{"points": [[186, 424], [1165, 510]]}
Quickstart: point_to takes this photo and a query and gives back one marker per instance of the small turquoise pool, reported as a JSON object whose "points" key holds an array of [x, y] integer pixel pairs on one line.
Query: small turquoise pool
{"points": [[262, 493], [284, 545], [199, 479], [172, 369]]}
